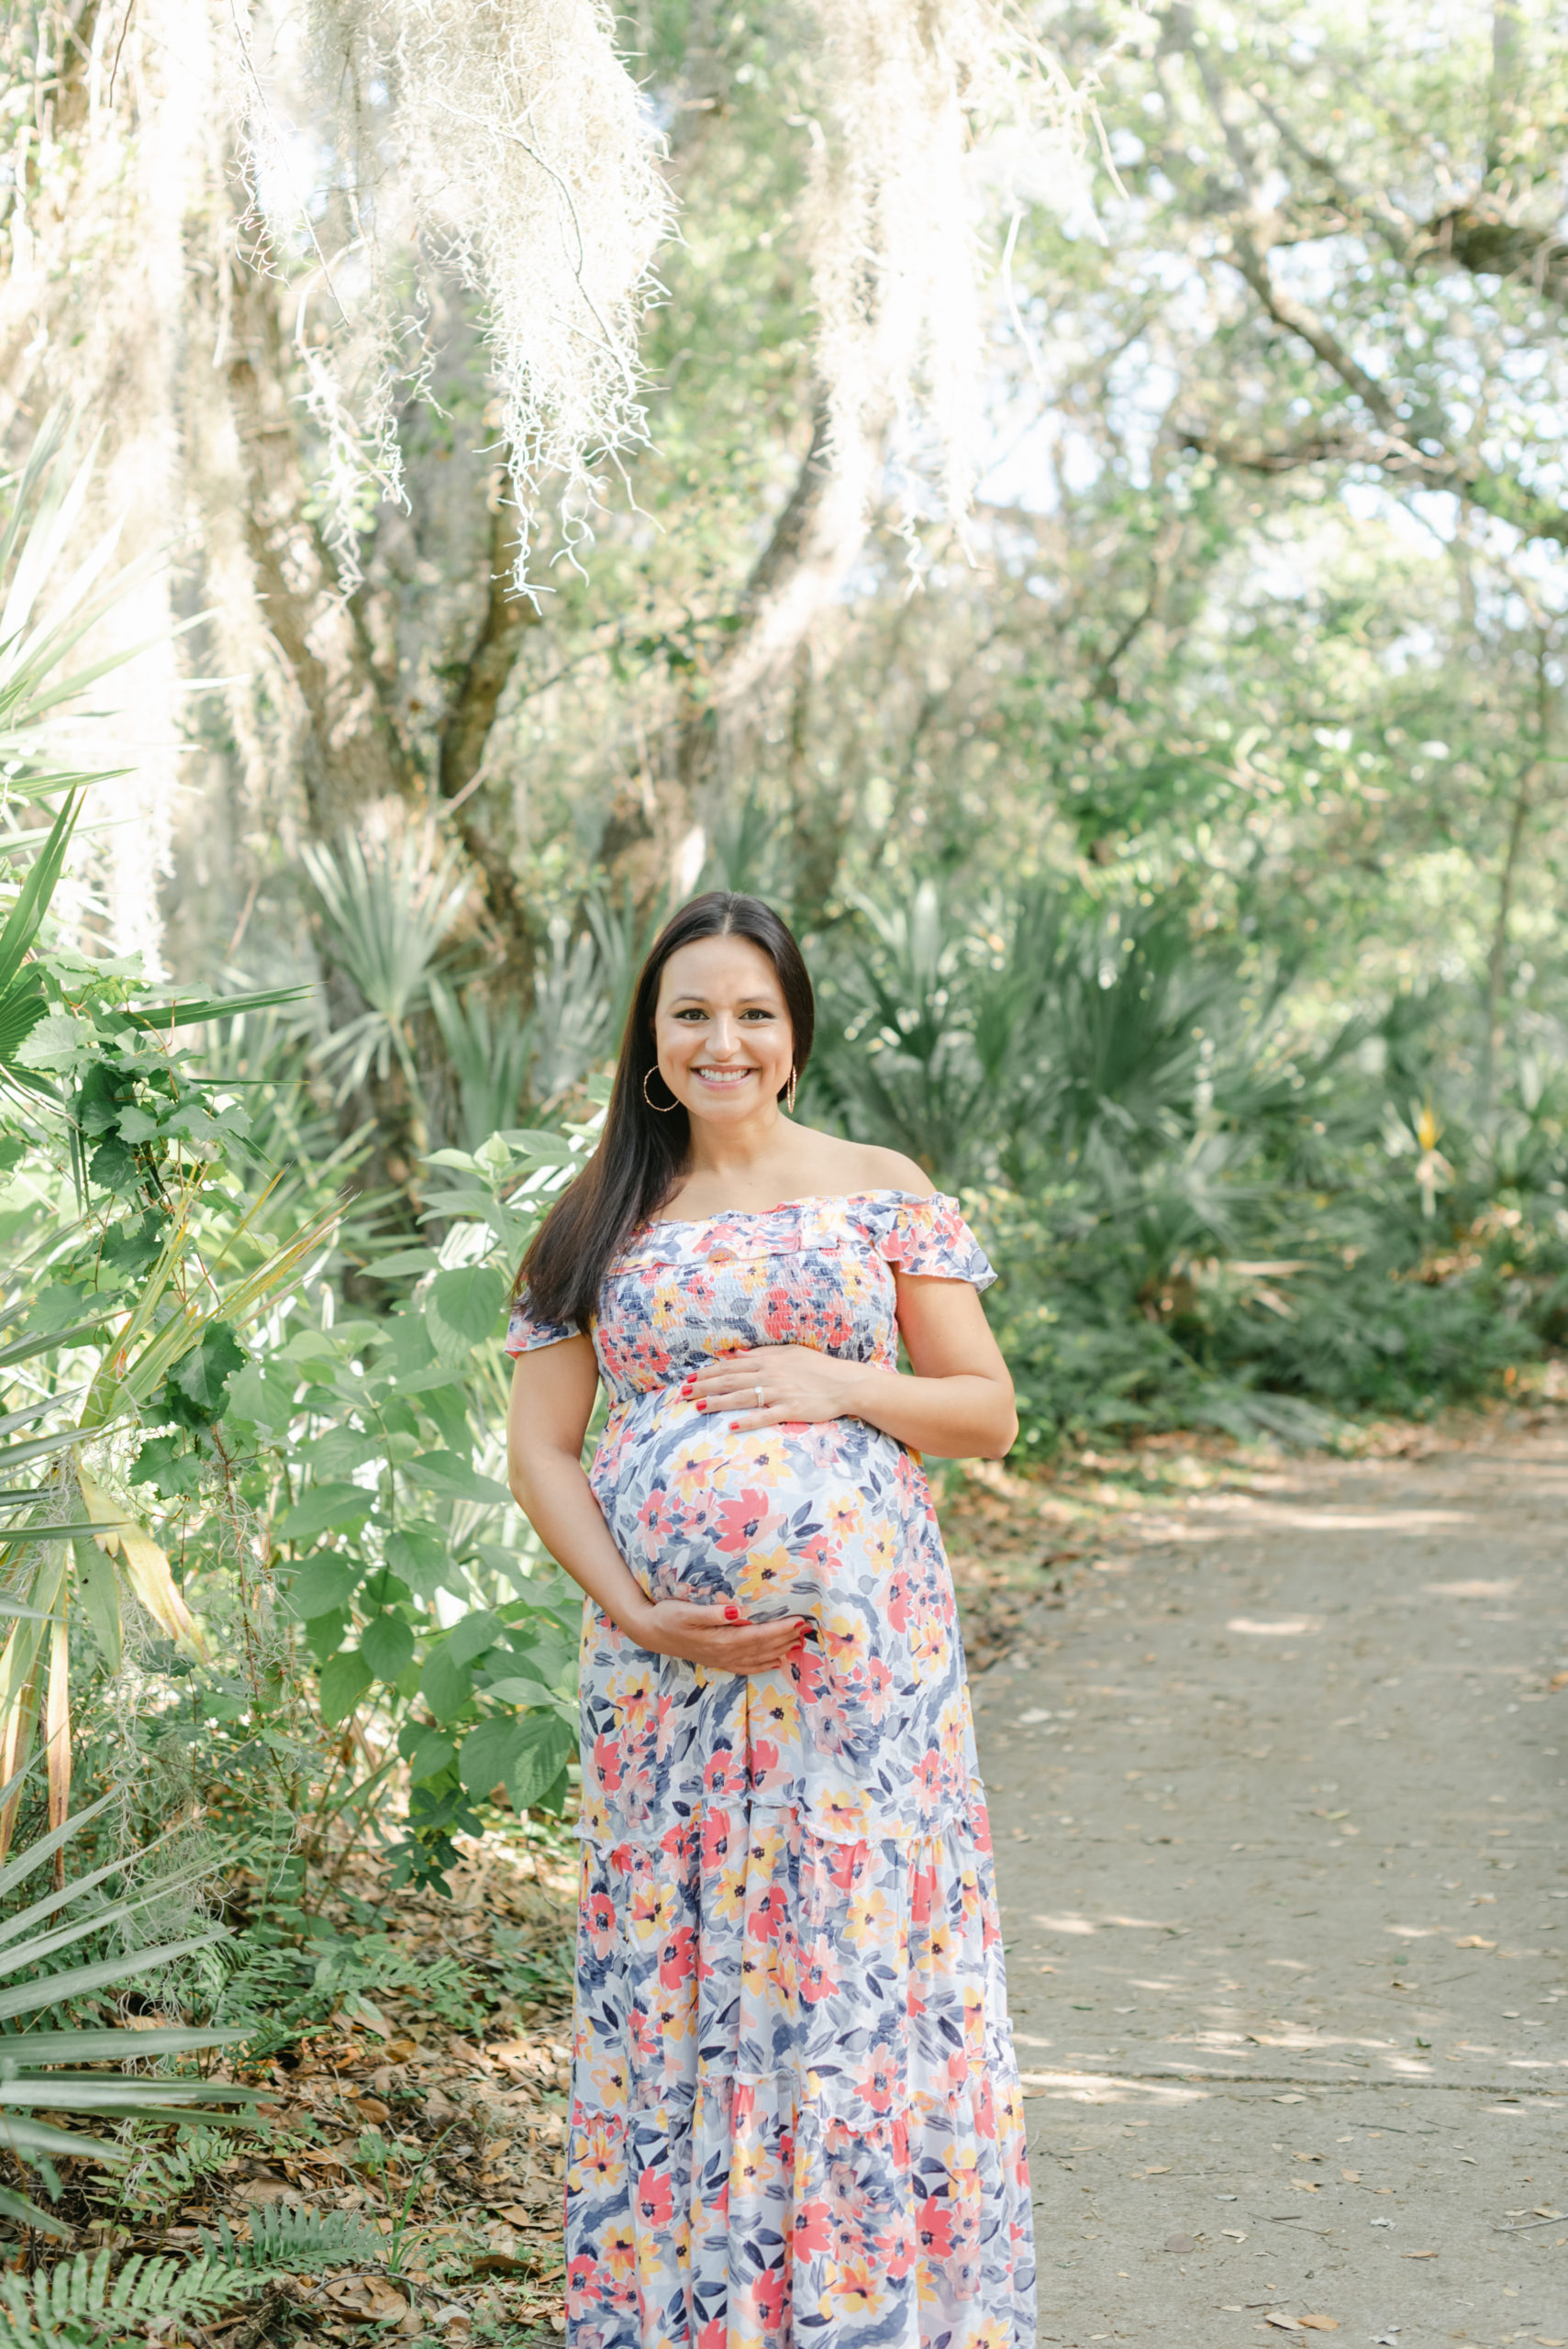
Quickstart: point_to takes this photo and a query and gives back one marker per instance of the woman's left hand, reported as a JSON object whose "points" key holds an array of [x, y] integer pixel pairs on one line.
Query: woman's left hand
{"points": [[764, 1386]]}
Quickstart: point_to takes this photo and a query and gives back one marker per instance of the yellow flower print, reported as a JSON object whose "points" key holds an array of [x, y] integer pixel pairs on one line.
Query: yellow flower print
{"points": [[877, 1550], [762, 1458], [650, 1911], [597, 2164], [843, 1810], [858, 2290], [845, 1640], [765, 1572], [929, 1646], [690, 1474], [844, 1515], [871, 1917]]}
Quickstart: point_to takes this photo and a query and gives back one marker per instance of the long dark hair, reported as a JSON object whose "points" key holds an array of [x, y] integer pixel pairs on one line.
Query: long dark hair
{"points": [[642, 1152]]}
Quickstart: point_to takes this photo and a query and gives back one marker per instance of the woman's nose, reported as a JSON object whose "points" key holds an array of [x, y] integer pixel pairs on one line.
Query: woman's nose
{"points": [[724, 1036]]}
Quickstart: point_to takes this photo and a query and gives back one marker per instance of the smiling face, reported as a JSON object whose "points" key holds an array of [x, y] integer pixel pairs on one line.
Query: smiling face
{"points": [[722, 1029]]}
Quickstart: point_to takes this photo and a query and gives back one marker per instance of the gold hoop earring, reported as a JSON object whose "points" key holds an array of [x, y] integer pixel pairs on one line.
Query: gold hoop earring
{"points": [[663, 1108], [789, 1092]]}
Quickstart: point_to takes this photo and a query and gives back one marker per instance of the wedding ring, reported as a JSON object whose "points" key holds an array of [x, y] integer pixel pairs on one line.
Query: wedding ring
{"points": [[761, 1404]]}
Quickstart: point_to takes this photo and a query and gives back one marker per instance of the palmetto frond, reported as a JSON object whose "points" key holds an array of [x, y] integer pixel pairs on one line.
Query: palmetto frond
{"points": [[390, 902]]}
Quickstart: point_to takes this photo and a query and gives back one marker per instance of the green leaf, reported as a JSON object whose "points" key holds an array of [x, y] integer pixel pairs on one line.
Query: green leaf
{"points": [[419, 1553], [387, 1645], [544, 1149], [198, 1385], [432, 1752], [474, 1636], [344, 1679], [324, 1584], [99, 1594], [488, 1756], [264, 1394], [323, 1506], [526, 1756], [402, 1261], [445, 1685], [462, 1308], [449, 1473]]}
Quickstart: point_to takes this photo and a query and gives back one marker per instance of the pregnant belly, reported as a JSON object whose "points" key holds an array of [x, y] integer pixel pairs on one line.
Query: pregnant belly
{"points": [[779, 1520], [867, 1722]]}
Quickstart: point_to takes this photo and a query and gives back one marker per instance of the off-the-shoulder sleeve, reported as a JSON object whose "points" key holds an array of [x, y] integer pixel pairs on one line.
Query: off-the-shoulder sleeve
{"points": [[930, 1238], [526, 1333]]}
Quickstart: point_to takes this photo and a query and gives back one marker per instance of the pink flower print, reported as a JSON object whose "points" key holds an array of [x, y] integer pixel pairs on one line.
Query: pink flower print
{"points": [[722, 1773], [654, 2199], [778, 1316], [876, 2079], [599, 1919], [830, 1731], [714, 2334], [715, 1840], [768, 1918], [678, 1962], [933, 2225], [813, 2230], [850, 1864], [818, 1979], [875, 1688], [582, 2286], [765, 1770], [897, 1601], [896, 2250], [985, 2109], [769, 2293], [808, 1670], [926, 1775], [741, 1523], [607, 1755]]}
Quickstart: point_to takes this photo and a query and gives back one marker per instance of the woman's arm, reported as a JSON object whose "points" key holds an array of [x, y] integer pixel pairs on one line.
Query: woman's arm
{"points": [[958, 1406], [552, 1400]]}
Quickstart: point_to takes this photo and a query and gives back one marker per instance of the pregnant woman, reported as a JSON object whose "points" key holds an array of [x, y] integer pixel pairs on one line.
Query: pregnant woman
{"points": [[795, 2113]]}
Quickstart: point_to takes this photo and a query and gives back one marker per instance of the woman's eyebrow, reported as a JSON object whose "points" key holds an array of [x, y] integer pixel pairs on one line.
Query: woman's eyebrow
{"points": [[767, 1002]]}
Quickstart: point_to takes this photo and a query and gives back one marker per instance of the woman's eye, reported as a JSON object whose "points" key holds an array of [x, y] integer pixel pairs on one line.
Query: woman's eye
{"points": [[757, 1015]]}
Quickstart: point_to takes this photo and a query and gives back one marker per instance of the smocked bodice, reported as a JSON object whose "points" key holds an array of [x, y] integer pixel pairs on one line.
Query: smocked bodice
{"points": [[815, 1272]]}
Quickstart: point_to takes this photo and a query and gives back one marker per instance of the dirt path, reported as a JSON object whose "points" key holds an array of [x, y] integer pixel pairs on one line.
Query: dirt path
{"points": [[1278, 1803]]}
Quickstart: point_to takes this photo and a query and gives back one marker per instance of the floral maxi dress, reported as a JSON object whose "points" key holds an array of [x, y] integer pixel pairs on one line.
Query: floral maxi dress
{"points": [[795, 2112]]}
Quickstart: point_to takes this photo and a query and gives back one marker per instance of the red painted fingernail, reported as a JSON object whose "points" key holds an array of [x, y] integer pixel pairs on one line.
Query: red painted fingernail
{"points": [[734, 1427], [701, 1407], [732, 1614]]}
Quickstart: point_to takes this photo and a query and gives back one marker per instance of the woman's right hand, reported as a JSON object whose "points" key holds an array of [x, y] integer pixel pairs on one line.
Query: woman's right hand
{"points": [[703, 1635]]}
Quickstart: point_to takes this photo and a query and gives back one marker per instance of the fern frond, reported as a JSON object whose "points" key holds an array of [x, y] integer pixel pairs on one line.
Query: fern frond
{"points": [[55, 2308], [289, 2240]]}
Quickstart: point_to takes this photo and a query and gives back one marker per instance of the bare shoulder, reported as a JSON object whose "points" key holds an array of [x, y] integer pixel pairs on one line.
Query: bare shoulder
{"points": [[853, 1166]]}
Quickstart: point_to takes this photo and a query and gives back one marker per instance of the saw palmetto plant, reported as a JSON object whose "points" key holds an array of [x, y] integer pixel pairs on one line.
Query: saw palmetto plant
{"points": [[54, 2073]]}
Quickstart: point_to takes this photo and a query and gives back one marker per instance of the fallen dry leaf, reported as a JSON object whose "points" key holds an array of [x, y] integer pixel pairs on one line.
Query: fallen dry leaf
{"points": [[1473, 1940], [1180, 2243], [1558, 1680], [1286, 2324], [1322, 2324], [367, 2297], [1351, 2176], [1417, 2255]]}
